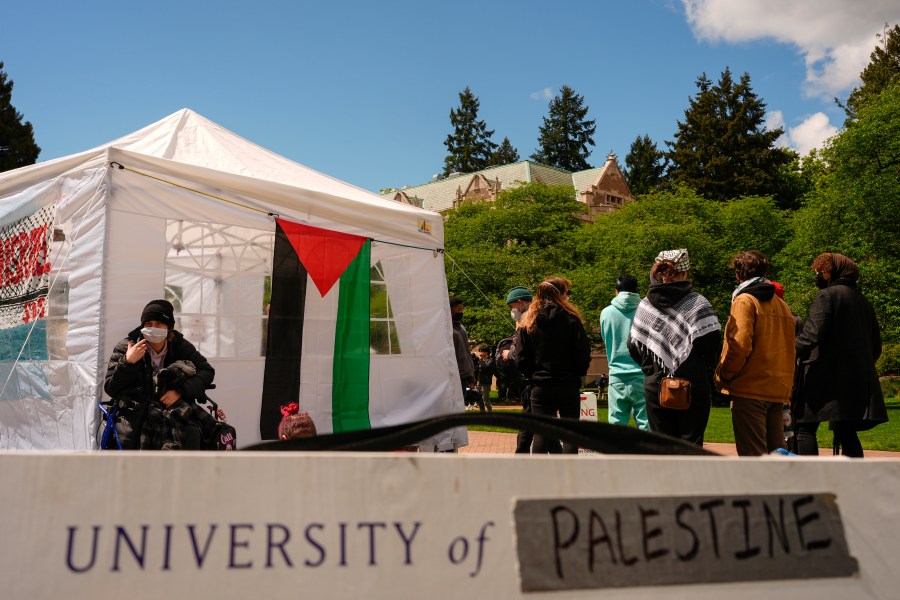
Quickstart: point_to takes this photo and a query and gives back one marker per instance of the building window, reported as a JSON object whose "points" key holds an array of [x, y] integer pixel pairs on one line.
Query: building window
{"points": [[383, 338], [614, 199]]}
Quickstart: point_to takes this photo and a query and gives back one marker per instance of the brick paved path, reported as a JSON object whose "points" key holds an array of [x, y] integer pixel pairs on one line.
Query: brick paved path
{"points": [[483, 442]]}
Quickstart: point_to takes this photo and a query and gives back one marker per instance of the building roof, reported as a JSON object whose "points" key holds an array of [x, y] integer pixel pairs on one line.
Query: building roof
{"points": [[440, 195]]}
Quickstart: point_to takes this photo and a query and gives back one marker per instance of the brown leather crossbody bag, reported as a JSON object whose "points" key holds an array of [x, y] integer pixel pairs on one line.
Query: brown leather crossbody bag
{"points": [[675, 393]]}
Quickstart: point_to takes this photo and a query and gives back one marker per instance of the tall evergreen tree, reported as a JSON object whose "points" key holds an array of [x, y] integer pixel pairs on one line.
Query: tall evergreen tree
{"points": [[644, 166], [883, 70], [566, 133], [505, 154], [469, 147], [17, 146], [722, 150]]}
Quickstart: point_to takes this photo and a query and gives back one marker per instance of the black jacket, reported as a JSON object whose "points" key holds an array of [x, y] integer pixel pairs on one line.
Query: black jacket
{"points": [[485, 371], [556, 352], [136, 380], [837, 350], [701, 362]]}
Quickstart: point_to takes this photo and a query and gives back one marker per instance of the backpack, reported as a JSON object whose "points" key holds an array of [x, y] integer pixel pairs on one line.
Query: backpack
{"points": [[216, 434], [505, 368]]}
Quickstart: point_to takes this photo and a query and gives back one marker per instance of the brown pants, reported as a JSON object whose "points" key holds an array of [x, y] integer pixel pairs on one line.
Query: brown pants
{"points": [[758, 426]]}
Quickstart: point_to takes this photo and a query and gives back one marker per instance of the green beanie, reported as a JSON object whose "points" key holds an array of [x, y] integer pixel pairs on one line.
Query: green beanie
{"points": [[518, 293]]}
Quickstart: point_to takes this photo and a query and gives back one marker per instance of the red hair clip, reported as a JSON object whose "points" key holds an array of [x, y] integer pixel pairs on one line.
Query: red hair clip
{"points": [[291, 409]]}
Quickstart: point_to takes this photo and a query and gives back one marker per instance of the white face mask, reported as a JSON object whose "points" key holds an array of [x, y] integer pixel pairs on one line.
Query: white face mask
{"points": [[516, 314], [154, 335]]}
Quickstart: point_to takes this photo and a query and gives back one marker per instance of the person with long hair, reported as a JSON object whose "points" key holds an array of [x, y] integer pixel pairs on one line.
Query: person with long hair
{"points": [[676, 334], [837, 350], [553, 353]]}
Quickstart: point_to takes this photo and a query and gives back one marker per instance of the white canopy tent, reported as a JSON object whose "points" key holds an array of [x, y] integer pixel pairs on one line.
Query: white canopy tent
{"points": [[183, 209]]}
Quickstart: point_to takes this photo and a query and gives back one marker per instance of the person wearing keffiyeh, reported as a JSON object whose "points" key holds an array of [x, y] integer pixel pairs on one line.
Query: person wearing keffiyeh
{"points": [[676, 333]]}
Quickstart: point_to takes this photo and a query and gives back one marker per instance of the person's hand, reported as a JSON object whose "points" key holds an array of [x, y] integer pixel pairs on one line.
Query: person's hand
{"points": [[136, 352], [506, 355], [170, 398], [220, 415]]}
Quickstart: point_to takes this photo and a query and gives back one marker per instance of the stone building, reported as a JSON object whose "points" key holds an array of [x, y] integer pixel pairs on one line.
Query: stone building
{"points": [[603, 189]]}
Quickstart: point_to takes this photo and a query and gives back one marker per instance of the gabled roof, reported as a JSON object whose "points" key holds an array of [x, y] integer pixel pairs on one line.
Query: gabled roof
{"points": [[441, 194], [188, 145], [190, 138]]}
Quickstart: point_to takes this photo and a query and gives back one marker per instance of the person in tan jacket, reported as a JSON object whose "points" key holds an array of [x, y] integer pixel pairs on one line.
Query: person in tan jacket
{"points": [[756, 369]]}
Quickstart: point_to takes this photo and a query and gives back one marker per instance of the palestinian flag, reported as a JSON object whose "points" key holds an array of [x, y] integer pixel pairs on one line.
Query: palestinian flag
{"points": [[338, 264]]}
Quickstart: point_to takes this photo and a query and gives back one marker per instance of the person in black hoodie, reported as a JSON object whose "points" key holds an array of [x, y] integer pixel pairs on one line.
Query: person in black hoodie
{"points": [[837, 350], [676, 334], [553, 353]]}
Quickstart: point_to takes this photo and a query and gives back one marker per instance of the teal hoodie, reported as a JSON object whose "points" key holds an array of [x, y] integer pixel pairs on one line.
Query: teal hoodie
{"points": [[615, 325]]}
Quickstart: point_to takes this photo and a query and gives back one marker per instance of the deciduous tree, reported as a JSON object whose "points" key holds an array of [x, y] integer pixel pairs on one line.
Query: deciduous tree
{"points": [[854, 210], [520, 238], [883, 69]]}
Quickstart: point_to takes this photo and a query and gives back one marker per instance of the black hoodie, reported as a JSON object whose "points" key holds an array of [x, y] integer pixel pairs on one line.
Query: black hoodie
{"points": [[556, 352]]}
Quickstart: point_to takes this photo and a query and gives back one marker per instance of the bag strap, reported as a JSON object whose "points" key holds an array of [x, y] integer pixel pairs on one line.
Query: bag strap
{"points": [[109, 415], [601, 437]]}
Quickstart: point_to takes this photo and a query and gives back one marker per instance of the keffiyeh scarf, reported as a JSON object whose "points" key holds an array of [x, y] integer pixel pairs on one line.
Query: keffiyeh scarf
{"points": [[746, 284], [669, 334]]}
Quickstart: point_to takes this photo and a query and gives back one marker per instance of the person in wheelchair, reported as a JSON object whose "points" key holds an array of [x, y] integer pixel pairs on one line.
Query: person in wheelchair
{"points": [[155, 378]]}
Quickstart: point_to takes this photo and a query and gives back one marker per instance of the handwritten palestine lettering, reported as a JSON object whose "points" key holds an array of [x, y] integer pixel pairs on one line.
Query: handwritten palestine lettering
{"points": [[583, 543], [231, 546], [699, 532]]}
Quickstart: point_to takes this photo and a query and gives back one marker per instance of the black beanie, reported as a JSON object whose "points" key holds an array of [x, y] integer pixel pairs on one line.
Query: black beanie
{"points": [[159, 310]]}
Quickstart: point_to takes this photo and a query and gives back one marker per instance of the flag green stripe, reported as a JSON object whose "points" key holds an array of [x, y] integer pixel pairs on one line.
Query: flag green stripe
{"points": [[350, 384]]}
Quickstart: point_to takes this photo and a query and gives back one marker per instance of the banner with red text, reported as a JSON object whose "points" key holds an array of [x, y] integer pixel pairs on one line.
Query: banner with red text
{"points": [[24, 285]]}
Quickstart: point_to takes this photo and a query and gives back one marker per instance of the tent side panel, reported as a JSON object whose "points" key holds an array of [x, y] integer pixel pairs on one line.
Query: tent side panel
{"points": [[421, 380], [49, 383]]}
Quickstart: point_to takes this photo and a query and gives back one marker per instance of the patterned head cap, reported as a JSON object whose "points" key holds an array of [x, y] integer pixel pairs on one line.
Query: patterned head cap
{"points": [[679, 257]]}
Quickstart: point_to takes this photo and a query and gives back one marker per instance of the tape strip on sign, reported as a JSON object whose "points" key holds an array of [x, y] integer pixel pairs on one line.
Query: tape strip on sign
{"points": [[586, 543]]}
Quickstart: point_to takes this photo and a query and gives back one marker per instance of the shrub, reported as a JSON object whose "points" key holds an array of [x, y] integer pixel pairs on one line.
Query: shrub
{"points": [[890, 387], [889, 362]]}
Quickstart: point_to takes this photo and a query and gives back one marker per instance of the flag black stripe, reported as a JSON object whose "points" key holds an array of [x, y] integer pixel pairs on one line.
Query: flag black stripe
{"points": [[284, 343]]}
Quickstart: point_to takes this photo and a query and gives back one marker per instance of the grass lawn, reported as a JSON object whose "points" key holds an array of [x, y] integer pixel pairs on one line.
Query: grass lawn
{"points": [[884, 437]]}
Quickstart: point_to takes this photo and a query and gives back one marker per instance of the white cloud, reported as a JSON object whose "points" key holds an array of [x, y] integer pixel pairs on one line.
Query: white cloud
{"points": [[811, 133], [774, 119], [544, 94], [835, 37]]}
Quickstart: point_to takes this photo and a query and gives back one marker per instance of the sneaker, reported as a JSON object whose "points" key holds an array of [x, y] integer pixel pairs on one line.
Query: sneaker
{"points": [[783, 452]]}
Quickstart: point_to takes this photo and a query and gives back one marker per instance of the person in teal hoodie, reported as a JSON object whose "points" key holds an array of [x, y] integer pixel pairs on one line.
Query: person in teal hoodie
{"points": [[626, 380]]}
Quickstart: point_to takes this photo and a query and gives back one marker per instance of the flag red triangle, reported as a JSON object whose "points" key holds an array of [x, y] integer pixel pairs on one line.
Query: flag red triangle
{"points": [[325, 254]]}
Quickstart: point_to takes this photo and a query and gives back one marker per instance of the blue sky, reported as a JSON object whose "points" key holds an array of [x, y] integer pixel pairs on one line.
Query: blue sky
{"points": [[362, 91]]}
